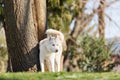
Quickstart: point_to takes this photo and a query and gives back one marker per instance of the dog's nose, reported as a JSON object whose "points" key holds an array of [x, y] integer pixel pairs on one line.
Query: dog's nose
{"points": [[56, 50]]}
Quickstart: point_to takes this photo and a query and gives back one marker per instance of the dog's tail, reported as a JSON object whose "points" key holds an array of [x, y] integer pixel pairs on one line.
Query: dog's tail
{"points": [[52, 32], [55, 33]]}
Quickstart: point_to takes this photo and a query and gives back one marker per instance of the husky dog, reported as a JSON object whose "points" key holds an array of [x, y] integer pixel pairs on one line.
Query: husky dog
{"points": [[51, 51]]}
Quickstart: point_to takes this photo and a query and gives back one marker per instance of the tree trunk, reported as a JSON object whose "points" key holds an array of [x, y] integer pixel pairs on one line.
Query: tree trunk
{"points": [[80, 20], [25, 26], [101, 26]]}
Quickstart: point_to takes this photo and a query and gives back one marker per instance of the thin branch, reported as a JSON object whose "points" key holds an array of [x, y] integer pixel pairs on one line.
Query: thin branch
{"points": [[112, 2], [110, 19]]}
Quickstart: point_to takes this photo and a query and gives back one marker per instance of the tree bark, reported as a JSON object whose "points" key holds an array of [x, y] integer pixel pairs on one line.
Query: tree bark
{"points": [[101, 26], [25, 26], [80, 20]]}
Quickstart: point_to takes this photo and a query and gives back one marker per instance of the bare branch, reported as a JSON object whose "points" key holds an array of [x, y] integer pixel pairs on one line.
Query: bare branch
{"points": [[111, 20], [112, 2]]}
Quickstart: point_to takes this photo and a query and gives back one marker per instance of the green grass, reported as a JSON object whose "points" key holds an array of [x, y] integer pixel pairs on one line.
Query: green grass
{"points": [[60, 76]]}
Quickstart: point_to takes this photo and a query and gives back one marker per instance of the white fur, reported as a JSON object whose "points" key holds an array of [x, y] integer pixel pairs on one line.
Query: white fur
{"points": [[59, 35], [55, 33], [48, 51]]}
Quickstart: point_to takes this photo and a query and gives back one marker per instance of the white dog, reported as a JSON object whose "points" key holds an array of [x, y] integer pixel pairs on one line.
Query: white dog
{"points": [[51, 50]]}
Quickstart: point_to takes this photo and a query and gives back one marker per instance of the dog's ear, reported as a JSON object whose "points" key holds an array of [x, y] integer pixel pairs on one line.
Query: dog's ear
{"points": [[50, 37]]}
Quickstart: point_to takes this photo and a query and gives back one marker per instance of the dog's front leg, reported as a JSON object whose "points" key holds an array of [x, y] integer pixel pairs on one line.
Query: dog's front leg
{"points": [[52, 64], [57, 60], [42, 64]]}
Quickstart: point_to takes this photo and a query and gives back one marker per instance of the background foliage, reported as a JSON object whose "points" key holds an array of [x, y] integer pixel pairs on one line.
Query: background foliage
{"points": [[3, 48], [95, 53]]}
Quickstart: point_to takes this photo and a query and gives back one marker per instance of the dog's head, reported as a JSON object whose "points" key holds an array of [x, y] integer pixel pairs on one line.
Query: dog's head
{"points": [[53, 44], [59, 35]]}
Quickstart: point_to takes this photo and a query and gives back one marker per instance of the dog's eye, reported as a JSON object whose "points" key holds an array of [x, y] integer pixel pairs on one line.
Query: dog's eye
{"points": [[53, 44]]}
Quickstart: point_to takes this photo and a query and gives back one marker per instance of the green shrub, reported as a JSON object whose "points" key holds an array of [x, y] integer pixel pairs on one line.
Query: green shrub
{"points": [[93, 55]]}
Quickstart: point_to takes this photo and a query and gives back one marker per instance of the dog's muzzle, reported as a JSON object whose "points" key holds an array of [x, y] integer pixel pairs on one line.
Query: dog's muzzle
{"points": [[56, 50]]}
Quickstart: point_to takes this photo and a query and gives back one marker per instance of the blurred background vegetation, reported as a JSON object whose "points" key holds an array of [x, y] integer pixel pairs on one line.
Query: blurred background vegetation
{"points": [[3, 48], [85, 52]]}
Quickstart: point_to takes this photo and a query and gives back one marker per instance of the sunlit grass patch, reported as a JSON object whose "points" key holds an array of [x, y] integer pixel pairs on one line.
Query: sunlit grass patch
{"points": [[60, 76]]}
